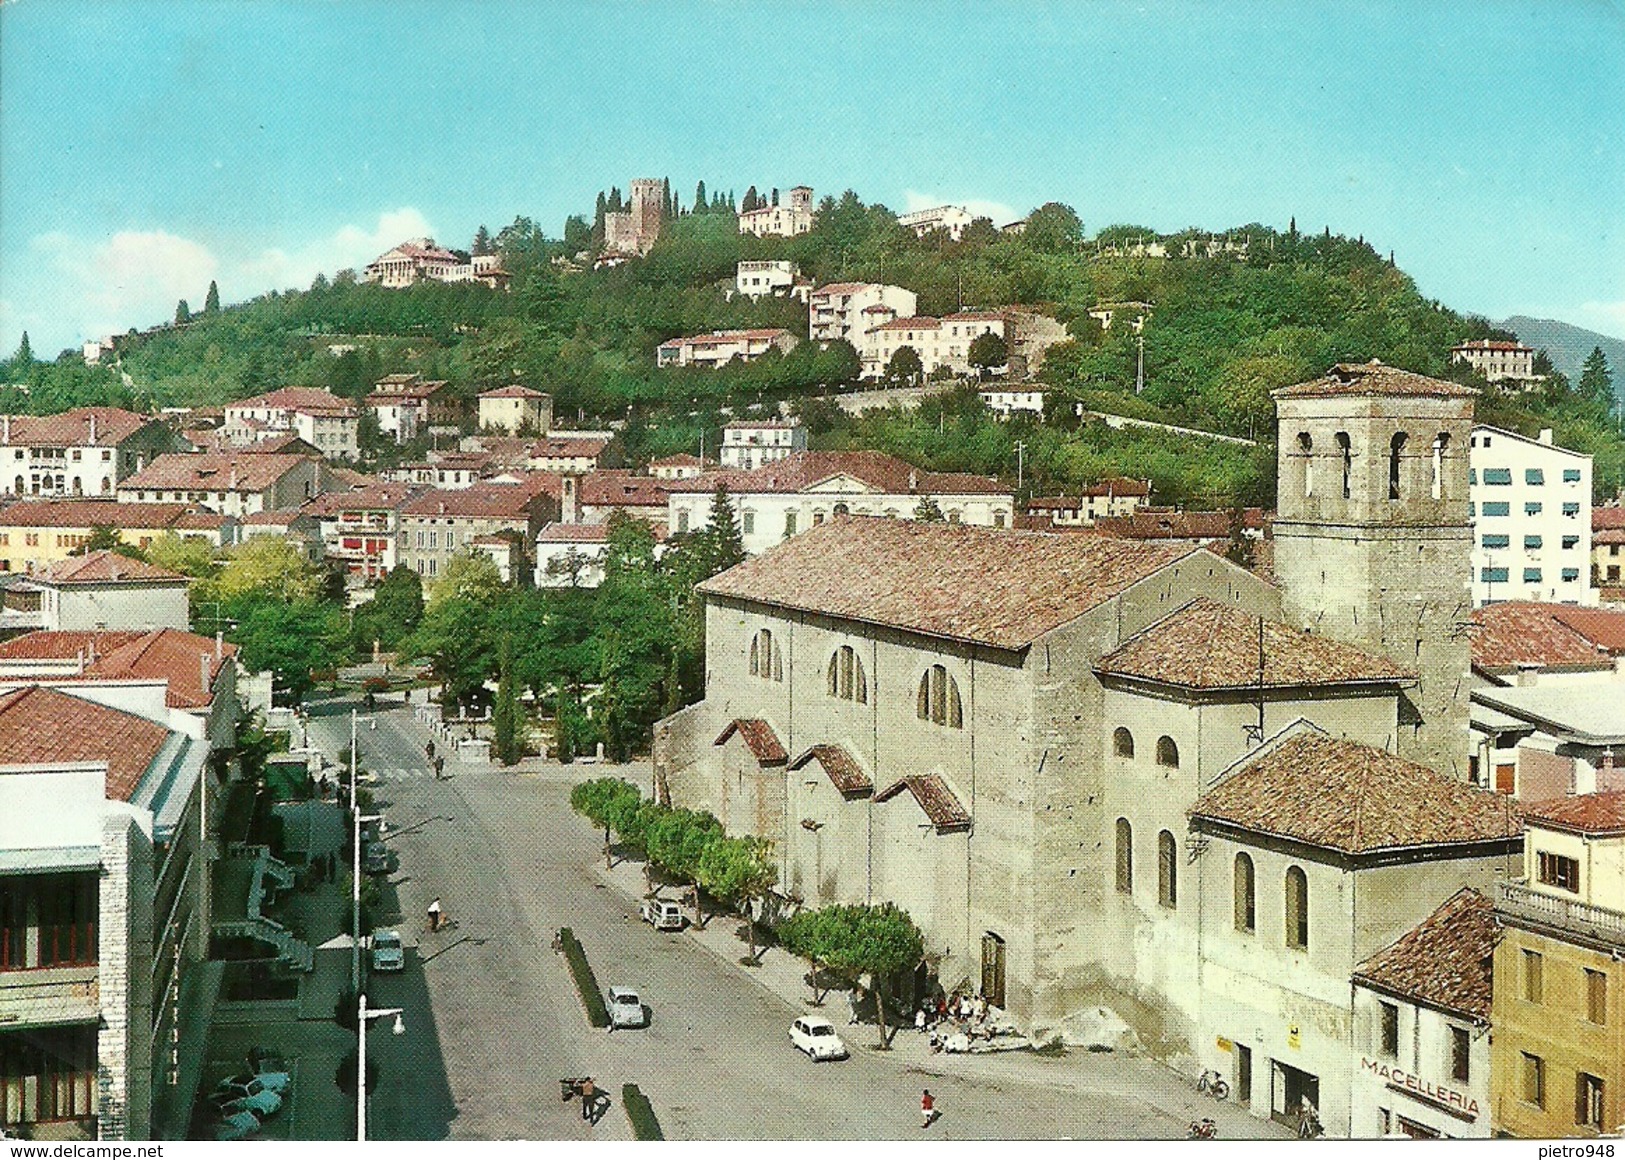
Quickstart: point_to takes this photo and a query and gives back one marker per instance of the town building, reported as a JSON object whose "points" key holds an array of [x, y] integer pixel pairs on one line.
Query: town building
{"points": [[1424, 1006], [320, 418], [1520, 643], [413, 261], [407, 405], [1557, 1066], [300, 530], [1548, 741], [517, 410], [1106, 498], [762, 278], [1530, 503], [952, 219], [35, 534], [633, 231], [602, 493], [750, 443], [847, 311], [678, 467], [1372, 514], [1608, 548], [572, 555], [1136, 312], [360, 528], [233, 485], [776, 501], [486, 269], [436, 525], [567, 453], [721, 347], [794, 217], [941, 343], [1005, 400], [82, 452], [104, 590], [1497, 360]]}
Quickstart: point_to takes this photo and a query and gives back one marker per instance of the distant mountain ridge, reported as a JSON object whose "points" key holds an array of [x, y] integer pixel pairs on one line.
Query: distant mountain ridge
{"points": [[1569, 345]]}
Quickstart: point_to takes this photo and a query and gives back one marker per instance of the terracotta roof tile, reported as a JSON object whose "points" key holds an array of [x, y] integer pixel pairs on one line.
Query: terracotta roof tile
{"points": [[170, 654], [984, 585], [1168, 524], [72, 428], [678, 461], [759, 737], [801, 470], [1603, 627], [89, 513], [106, 567], [64, 645], [1356, 799], [1209, 645], [487, 500], [1444, 962], [1518, 633], [1373, 378], [513, 391], [306, 400], [841, 288], [1596, 814], [842, 769], [373, 497], [622, 488], [1492, 344], [213, 471], [40, 726], [567, 448], [935, 798], [1607, 517]]}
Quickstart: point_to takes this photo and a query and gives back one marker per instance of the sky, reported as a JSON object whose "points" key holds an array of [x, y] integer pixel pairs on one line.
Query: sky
{"points": [[148, 148]]}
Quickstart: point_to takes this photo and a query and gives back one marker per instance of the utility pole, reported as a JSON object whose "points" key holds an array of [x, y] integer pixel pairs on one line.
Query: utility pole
{"points": [[1139, 371], [1021, 451]]}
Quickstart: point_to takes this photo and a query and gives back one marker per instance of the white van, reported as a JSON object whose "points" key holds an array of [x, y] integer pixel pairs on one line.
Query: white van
{"points": [[662, 914]]}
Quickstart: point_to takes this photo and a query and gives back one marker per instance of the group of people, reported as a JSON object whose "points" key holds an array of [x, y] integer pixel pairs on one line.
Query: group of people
{"points": [[958, 1014]]}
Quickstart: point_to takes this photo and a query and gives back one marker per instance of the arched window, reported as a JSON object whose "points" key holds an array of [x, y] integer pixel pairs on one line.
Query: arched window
{"points": [[765, 661], [955, 515], [1122, 742], [1167, 752], [1246, 895], [1167, 870], [1306, 446], [938, 698], [998, 519], [846, 678], [1125, 857], [1297, 909], [1441, 442], [1396, 450], [1345, 452], [841, 509]]}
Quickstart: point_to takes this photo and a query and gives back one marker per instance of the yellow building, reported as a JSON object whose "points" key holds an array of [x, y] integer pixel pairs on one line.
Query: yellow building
{"points": [[35, 534], [1558, 1056]]}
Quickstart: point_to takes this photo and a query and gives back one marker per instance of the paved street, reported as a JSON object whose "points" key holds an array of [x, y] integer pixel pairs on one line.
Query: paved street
{"points": [[493, 1020]]}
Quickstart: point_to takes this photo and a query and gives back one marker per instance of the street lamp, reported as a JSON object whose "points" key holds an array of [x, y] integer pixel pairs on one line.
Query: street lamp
{"points": [[355, 892], [363, 1017]]}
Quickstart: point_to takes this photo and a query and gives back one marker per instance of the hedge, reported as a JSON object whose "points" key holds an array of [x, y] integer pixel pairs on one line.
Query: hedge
{"points": [[640, 1112], [591, 997]]}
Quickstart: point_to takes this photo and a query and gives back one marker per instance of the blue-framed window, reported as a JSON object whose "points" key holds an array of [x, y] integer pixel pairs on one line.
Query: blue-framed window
{"points": [[1531, 542], [1571, 475], [1570, 575], [1497, 509], [1532, 508], [1493, 575], [1534, 476], [1571, 509], [1495, 542], [1571, 541], [1531, 575], [1501, 476]]}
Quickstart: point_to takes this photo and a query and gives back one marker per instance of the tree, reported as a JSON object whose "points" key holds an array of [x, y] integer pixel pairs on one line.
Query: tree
{"points": [[452, 637], [852, 941], [738, 871], [928, 511], [23, 361], [725, 543], [394, 612], [293, 640], [1596, 379], [266, 566], [700, 204], [676, 841], [104, 538], [468, 576], [905, 366], [183, 312], [750, 201], [211, 301], [988, 350], [482, 245], [608, 802], [1053, 228], [189, 555], [507, 719]]}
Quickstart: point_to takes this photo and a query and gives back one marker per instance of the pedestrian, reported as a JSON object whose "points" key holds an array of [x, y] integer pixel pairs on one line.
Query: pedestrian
{"points": [[589, 1098], [439, 768], [919, 1019], [434, 915], [928, 1109]]}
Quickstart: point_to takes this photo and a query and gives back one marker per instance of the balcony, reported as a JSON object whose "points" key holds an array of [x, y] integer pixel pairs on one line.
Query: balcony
{"points": [[46, 997], [1517, 901]]}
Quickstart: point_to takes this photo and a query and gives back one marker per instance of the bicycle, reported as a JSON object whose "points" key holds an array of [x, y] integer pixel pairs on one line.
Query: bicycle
{"points": [[1211, 1083], [1203, 1129], [1308, 1124]]}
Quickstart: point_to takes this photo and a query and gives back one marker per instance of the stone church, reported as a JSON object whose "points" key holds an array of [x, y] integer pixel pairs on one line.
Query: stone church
{"points": [[1110, 773]]}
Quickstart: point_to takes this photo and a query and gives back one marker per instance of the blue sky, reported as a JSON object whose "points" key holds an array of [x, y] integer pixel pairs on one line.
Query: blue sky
{"points": [[149, 147]]}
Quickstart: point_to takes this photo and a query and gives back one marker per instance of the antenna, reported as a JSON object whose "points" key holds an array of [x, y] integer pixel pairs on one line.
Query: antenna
{"points": [[1254, 734]]}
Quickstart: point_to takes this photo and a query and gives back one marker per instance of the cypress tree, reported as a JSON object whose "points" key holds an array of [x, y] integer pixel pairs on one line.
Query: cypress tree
{"points": [[211, 301], [183, 312], [700, 203]]}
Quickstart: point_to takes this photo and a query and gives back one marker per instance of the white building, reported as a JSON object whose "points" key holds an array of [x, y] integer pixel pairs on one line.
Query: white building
{"points": [[322, 419], [952, 218], [721, 347], [677, 467], [760, 278], [808, 488], [572, 555], [104, 590], [794, 217], [1006, 400], [232, 485], [940, 342], [515, 408], [750, 443], [1531, 512], [1497, 361], [359, 527], [412, 261], [85, 451], [848, 310], [568, 452]]}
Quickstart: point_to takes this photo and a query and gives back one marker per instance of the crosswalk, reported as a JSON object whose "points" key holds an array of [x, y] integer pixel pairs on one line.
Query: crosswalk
{"points": [[416, 774]]}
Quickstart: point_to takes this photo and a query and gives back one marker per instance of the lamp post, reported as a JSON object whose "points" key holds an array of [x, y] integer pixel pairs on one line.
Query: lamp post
{"points": [[355, 895], [363, 1017]]}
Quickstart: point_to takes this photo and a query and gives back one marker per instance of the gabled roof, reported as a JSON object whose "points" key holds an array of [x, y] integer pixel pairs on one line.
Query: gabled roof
{"points": [[513, 391], [759, 737], [170, 654], [1171, 524], [1518, 634], [935, 798], [842, 769], [1209, 645], [842, 288], [567, 448], [372, 497], [305, 400], [1602, 627], [1373, 378], [1355, 799], [73, 428], [213, 471], [1596, 815], [89, 513], [483, 500], [1444, 962], [678, 461], [1487, 344], [622, 488], [40, 726], [982, 585], [801, 470], [108, 567]]}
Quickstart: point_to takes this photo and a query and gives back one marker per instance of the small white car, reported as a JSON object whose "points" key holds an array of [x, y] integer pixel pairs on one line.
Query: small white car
{"points": [[626, 1008], [387, 952], [816, 1036], [662, 914]]}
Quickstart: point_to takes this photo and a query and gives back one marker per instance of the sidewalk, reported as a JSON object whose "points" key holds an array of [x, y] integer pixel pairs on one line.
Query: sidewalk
{"points": [[784, 976]]}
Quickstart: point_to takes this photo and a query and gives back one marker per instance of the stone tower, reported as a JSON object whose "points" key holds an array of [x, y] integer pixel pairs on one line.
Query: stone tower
{"points": [[648, 211], [1372, 541]]}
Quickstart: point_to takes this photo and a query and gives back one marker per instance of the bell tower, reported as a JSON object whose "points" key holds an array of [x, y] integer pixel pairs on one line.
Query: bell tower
{"points": [[1372, 539]]}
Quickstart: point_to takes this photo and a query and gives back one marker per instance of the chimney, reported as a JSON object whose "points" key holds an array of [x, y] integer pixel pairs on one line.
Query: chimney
{"points": [[567, 509], [93, 428], [913, 482], [442, 507], [219, 644], [203, 671], [233, 475], [1546, 436]]}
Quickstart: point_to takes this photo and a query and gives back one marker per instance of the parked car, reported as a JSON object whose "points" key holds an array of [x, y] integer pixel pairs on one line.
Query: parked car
{"points": [[626, 1009], [376, 858], [816, 1036], [272, 1078], [237, 1126], [662, 914], [387, 952]]}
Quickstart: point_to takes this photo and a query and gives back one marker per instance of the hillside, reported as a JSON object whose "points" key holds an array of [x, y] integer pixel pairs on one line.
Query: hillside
{"points": [[1569, 345], [1234, 315]]}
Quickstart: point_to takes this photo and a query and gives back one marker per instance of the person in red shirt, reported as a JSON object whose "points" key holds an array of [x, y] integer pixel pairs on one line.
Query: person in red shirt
{"points": [[928, 1109]]}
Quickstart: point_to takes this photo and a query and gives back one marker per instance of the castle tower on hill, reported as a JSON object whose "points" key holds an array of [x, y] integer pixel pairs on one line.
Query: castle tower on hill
{"points": [[1372, 540], [634, 230]]}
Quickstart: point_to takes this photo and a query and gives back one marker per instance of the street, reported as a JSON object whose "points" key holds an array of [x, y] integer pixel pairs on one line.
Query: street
{"points": [[493, 1021]]}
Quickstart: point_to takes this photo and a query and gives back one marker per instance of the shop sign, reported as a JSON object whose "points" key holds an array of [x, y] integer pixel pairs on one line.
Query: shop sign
{"points": [[1461, 1106]]}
